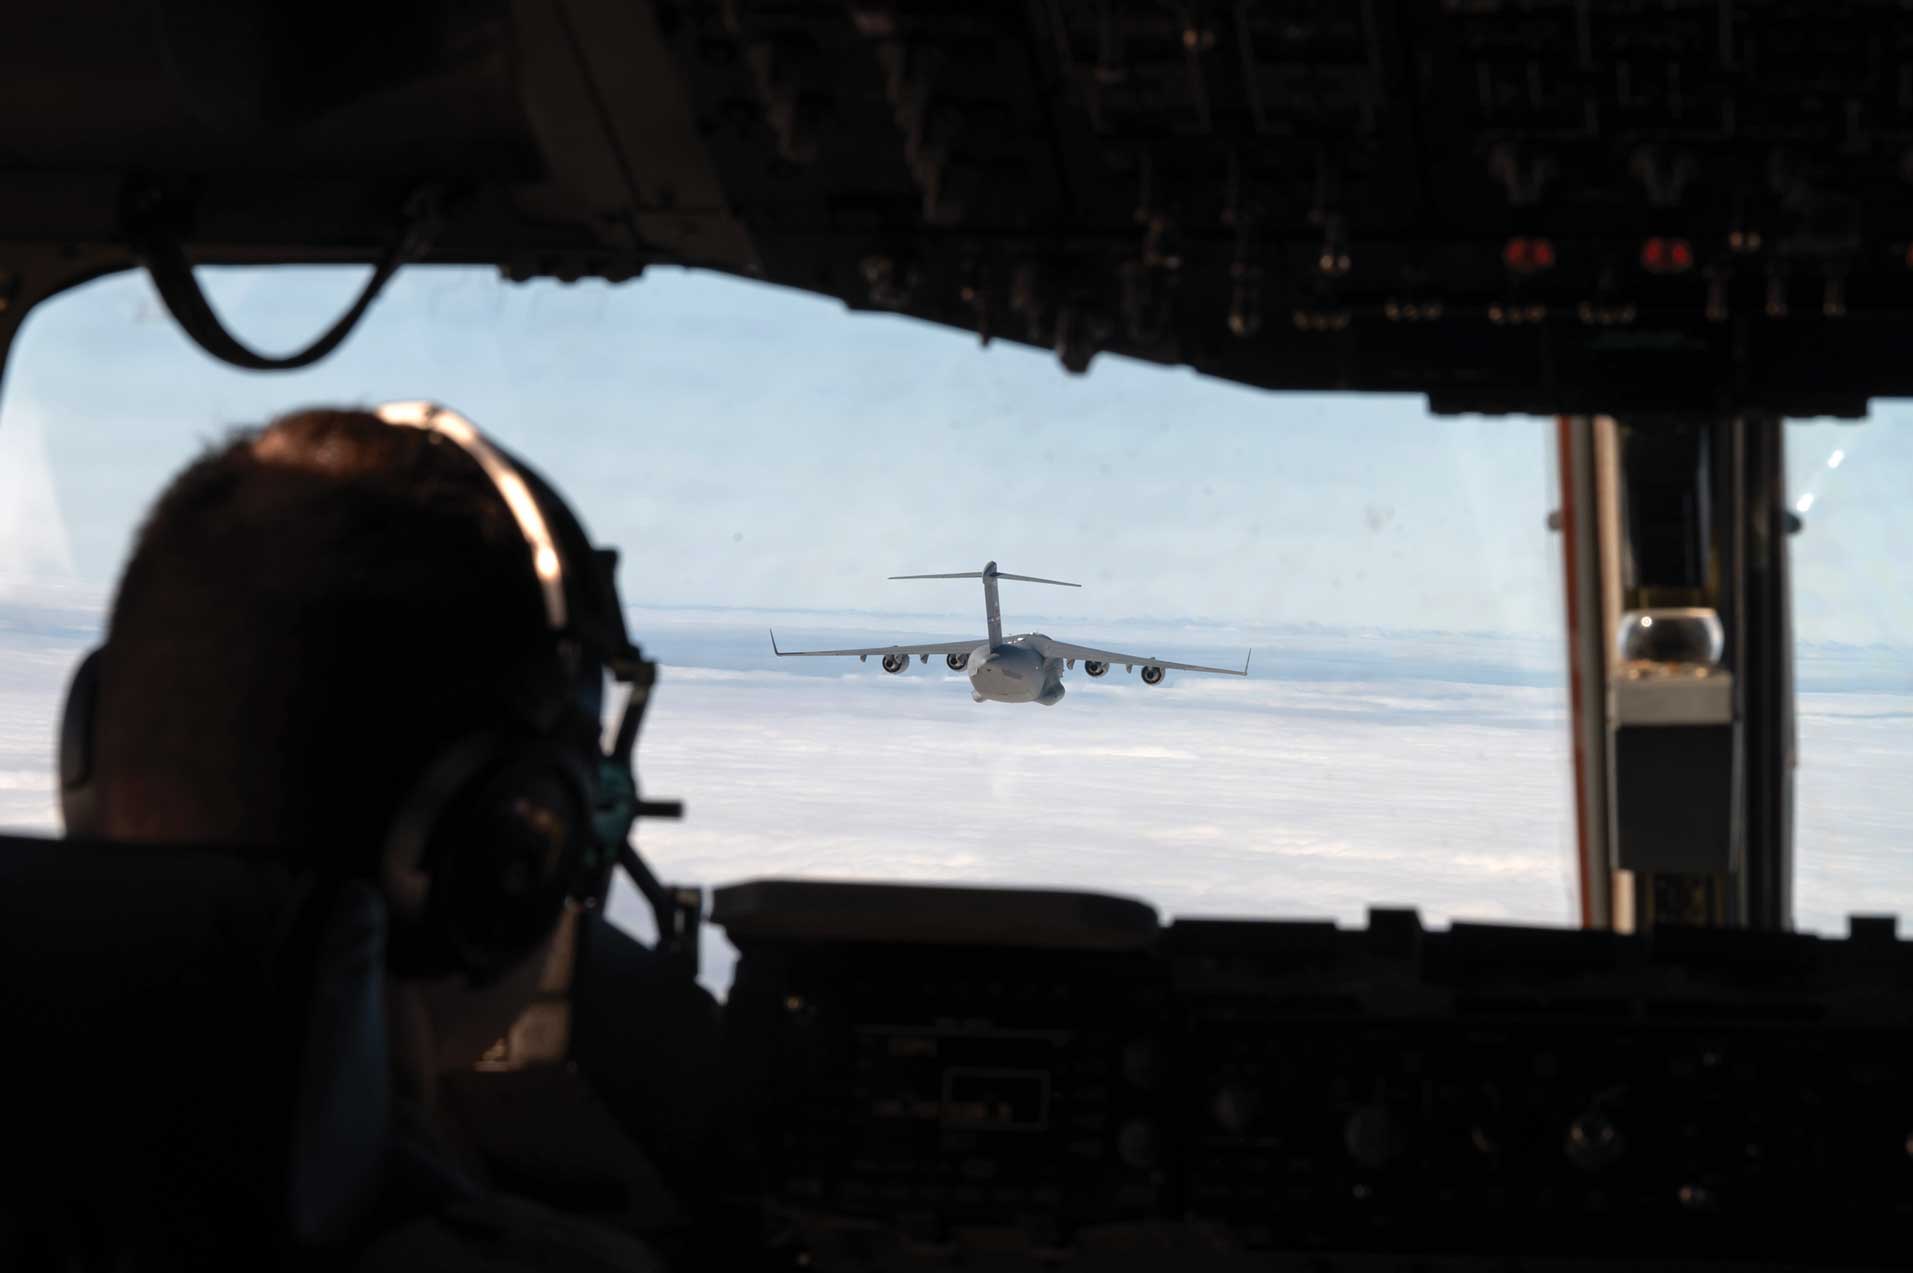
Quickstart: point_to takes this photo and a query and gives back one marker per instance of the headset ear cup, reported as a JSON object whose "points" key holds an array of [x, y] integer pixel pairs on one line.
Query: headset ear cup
{"points": [[79, 778], [482, 856]]}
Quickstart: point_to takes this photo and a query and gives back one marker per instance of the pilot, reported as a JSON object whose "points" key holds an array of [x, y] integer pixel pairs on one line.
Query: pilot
{"points": [[361, 644]]}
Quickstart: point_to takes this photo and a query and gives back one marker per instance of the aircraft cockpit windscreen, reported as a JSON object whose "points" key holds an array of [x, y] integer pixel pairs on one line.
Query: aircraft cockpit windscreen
{"points": [[765, 462], [1853, 624]]}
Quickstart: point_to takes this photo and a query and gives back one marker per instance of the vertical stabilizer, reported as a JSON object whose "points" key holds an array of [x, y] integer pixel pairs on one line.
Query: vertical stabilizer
{"points": [[992, 613]]}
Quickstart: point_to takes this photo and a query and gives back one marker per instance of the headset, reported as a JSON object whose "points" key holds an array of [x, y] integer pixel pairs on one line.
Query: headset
{"points": [[502, 827]]}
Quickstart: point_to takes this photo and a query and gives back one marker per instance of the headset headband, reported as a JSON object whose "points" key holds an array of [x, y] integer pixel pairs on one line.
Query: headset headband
{"points": [[545, 558], [599, 623]]}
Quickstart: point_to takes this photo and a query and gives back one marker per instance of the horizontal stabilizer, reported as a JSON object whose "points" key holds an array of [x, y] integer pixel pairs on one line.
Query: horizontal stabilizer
{"points": [[991, 574], [1033, 579]]}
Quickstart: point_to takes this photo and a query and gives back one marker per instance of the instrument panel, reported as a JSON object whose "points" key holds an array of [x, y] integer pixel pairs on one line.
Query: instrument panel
{"points": [[1242, 1094]]}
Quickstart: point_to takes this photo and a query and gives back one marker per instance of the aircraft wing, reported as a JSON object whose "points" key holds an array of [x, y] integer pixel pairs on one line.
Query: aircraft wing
{"points": [[1064, 650], [947, 647]]}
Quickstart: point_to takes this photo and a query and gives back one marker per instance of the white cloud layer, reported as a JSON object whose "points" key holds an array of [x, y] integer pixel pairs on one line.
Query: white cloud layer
{"points": [[1202, 795]]}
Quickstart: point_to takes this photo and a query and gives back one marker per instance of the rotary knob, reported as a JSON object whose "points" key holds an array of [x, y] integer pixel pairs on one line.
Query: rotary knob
{"points": [[1142, 1064], [1136, 1144], [1593, 1141], [1488, 1128], [1372, 1135], [1236, 1108]]}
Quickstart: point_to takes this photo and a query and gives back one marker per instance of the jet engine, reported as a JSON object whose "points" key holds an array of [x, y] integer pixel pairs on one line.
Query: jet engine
{"points": [[898, 662], [1151, 674], [1094, 668], [956, 662]]}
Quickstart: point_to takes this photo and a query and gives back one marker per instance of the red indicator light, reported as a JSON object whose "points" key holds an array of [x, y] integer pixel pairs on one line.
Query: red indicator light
{"points": [[1525, 256], [1667, 256]]}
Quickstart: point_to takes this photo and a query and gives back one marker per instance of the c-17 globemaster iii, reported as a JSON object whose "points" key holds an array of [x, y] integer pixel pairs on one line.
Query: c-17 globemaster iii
{"points": [[1027, 668]]}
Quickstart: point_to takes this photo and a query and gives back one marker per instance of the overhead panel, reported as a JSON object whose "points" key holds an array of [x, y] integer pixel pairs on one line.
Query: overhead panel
{"points": [[1534, 206]]}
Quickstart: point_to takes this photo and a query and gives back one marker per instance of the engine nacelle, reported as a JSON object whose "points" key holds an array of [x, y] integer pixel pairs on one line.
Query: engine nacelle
{"points": [[895, 662], [956, 662], [1095, 667], [1151, 674]]}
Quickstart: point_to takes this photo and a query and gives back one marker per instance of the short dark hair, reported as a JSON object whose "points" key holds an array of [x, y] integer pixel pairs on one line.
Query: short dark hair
{"points": [[311, 611]]}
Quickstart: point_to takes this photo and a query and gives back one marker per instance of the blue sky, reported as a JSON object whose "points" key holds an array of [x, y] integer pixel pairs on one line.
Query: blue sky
{"points": [[764, 457], [756, 447]]}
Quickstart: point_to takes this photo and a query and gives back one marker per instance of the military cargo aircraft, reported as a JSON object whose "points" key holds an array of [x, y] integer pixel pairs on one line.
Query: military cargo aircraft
{"points": [[1026, 668]]}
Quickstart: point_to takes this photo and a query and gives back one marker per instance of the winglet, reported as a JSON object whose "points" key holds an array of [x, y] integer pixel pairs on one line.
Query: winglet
{"points": [[774, 649], [1245, 661]]}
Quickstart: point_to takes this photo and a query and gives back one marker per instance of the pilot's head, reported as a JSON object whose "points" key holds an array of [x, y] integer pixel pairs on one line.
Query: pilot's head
{"points": [[333, 646]]}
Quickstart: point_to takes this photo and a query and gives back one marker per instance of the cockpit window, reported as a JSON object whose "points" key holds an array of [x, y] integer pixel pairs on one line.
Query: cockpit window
{"points": [[1853, 622], [765, 460]]}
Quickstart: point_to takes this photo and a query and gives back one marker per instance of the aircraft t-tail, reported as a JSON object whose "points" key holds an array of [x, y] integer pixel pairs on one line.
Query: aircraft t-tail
{"points": [[1019, 669]]}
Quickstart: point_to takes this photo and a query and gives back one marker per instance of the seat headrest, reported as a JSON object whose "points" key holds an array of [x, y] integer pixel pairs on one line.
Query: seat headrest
{"points": [[198, 1043], [342, 1108]]}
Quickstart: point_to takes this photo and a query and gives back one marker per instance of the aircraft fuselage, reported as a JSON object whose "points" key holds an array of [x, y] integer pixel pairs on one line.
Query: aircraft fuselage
{"points": [[1012, 672]]}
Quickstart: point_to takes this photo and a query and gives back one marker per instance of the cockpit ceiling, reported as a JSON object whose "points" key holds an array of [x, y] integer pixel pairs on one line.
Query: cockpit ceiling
{"points": [[1507, 205]]}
